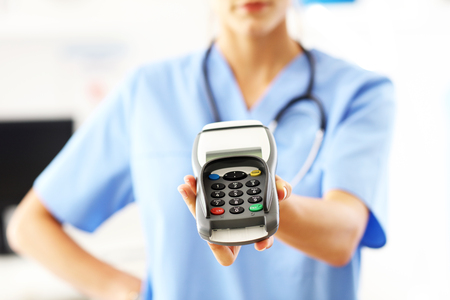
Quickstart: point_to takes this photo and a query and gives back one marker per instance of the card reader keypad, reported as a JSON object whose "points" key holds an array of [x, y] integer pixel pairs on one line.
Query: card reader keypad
{"points": [[252, 183], [217, 194], [237, 210], [236, 201], [235, 175], [218, 186], [217, 211], [255, 199], [235, 193], [221, 198], [235, 185], [254, 191], [217, 202]]}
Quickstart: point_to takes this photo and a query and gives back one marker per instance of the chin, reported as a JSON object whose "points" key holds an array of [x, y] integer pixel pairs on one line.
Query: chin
{"points": [[255, 29]]}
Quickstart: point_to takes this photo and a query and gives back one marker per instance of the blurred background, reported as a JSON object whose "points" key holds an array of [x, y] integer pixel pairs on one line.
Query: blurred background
{"points": [[58, 59]]}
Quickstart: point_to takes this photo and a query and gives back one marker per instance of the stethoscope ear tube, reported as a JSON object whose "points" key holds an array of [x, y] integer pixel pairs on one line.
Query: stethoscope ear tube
{"points": [[272, 126], [208, 89], [311, 155], [310, 159]]}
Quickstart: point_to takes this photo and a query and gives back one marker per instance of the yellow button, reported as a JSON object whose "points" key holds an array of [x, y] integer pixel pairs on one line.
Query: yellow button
{"points": [[255, 173]]}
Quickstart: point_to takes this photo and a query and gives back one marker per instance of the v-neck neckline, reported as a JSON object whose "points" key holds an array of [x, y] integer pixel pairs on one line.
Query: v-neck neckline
{"points": [[225, 81]]}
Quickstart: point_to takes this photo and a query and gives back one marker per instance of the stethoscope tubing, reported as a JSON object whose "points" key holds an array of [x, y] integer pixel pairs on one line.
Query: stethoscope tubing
{"points": [[307, 96]]}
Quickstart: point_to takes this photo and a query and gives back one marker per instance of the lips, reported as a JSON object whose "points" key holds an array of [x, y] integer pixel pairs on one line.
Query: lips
{"points": [[254, 6]]}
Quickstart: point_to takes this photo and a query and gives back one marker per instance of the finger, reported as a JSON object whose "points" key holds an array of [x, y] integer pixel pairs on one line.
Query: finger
{"points": [[188, 196], [265, 244], [190, 180], [284, 189], [225, 255]]}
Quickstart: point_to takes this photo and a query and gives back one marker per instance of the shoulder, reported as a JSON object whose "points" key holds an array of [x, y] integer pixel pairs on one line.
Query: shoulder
{"points": [[170, 68], [335, 71], [341, 83], [163, 79]]}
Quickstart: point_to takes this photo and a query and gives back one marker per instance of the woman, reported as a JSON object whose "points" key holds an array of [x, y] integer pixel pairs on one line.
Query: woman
{"points": [[138, 145]]}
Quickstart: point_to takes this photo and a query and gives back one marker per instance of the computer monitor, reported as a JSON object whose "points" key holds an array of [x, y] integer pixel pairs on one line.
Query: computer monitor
{"points": [[26, 148]]}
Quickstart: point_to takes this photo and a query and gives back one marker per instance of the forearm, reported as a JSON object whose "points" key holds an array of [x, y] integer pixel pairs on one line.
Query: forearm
{"points": [[36, 234], [328, 229]]}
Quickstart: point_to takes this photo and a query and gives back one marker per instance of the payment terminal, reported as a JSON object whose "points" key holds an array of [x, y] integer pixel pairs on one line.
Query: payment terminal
{"points": [[234, 164]]}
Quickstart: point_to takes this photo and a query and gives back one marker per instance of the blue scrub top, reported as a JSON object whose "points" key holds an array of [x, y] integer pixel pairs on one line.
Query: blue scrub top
{"points": [[137, 147]]}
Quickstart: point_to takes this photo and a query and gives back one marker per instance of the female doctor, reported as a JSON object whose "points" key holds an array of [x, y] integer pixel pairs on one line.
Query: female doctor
{"points": [[137, 147]]}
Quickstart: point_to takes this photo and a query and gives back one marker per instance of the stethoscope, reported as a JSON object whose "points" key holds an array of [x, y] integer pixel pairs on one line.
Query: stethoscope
{"points": [[308, 95]]}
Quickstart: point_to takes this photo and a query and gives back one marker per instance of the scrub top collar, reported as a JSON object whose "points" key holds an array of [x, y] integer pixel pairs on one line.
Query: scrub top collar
{"points": [[290, 82]]}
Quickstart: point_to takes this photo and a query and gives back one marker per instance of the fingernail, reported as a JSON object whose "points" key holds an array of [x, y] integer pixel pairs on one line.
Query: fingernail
{"points": [[182, 192], [262, 249], [185, 180], [285, 192]]}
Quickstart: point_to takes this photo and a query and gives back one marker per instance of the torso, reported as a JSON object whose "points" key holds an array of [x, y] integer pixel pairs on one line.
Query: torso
{"points": [[171, 109]]}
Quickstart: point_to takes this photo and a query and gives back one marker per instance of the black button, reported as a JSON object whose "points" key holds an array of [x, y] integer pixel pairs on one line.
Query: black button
{"points": [[252, 183], [236, 201], [237, 193], [237, 210], [218, 186], [254, 191], [218, 202], [234, 175], [217, 194], [254, 199], [235, 185]]}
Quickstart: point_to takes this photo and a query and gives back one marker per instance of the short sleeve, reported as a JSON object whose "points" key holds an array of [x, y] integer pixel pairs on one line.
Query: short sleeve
{"points": [[358, 156], [89, 180]]}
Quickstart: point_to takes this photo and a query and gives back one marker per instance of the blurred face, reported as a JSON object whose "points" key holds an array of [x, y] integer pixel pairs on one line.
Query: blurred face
{"points": [[251, 17]]}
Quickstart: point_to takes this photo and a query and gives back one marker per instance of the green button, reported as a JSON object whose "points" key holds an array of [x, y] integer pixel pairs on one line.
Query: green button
{"points": [[256, 207]]}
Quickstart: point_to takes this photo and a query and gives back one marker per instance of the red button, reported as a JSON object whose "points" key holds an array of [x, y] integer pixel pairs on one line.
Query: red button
{"points": [[217, 211]]}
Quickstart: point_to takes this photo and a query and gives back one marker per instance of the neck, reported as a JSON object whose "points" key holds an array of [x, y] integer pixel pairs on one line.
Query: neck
{"points": [[266, 54], [257, 60]]}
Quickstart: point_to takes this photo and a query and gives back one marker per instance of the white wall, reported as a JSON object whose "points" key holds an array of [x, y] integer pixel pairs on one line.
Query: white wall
{"points": [[61, 50], [410, 41], [50, 66]]}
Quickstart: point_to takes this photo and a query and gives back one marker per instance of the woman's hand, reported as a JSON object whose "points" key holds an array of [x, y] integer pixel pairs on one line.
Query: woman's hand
{"points": [[226, 255], [34, 232]]}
